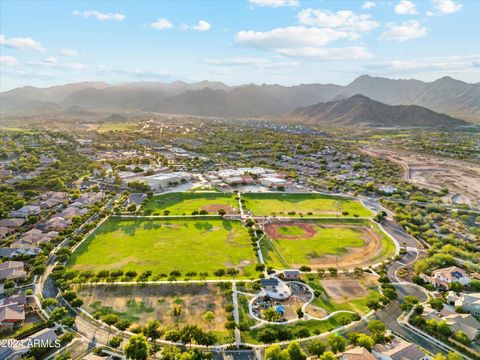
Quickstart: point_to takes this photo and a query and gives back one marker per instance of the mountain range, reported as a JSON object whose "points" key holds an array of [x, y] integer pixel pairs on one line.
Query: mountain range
{"points": [[360, 110], [446, 95]]}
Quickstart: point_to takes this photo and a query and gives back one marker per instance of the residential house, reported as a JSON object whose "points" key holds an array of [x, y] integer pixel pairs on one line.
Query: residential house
{"points": [[26, 211], [12, 270], [12, 312], [34, 237], [12, 252], [5, 231], [442, 278], [57, 223], [464, 322], [399, 350], [13, 223], [468, 302], [356, 353]]}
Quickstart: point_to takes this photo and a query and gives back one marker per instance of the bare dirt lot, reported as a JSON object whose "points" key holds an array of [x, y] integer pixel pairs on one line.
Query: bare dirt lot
{"points": [[339, 289], [213, 208], [272, 230], [140, 304], [461, 178]]}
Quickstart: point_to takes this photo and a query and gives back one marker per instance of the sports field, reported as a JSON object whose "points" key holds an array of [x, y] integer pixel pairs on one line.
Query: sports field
{"points": [[312, 204], [324, 244], [184, 203], [161, 246]]}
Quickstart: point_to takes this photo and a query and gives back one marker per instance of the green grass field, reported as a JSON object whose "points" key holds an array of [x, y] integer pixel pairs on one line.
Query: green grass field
{"points": [[329, 239], [186, 245], [183, 203], [308, 205]]}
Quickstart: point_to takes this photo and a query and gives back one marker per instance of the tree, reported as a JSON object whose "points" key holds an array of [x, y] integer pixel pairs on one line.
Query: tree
{"points": [[365, 341], [267, 335], [170, 353], [336, 342], [209, 317], [177, 311], [436, 303], [115, 342], [300, 313], [190, 333], [136, 348], [380, 217], [316, 347], [271, 315], [328, 356], [378, 330], [409, 302], [295, 352], [274, 352], [152, 330]]}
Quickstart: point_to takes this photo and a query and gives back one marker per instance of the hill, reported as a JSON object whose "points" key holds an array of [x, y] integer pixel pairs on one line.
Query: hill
{"points": [[446, 95], [360, 110]]}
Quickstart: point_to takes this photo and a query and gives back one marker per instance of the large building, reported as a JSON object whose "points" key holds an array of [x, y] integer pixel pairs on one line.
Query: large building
{"points": [[162, 181]]}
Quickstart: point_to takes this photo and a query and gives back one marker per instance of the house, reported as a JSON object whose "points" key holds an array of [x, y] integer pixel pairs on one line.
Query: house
{"points": [[11, 252], [12, 312], [5, 231], [26, 211], [291, 274], [34, 237], [57, 223], [398, 350], [442, 278], [468, 302], [12, 270], [356, 353], [464, 322], [13, 223]]}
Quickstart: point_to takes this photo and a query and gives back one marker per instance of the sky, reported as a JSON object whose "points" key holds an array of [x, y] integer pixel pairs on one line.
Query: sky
{"points": [[288, 42]]}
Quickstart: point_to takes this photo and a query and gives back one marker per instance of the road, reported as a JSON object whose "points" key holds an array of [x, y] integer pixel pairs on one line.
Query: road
{"points": [[389, 317]]}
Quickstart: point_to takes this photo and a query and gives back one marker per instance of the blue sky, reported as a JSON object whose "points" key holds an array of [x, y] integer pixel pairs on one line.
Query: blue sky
{"points": [[288, 42]]}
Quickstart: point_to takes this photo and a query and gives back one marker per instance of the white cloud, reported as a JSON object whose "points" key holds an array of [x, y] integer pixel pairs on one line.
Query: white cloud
{"points": [[51, 60], [367, 5], [274, 3], [161, 24], [257, 62], [406, 7], [429, 13], [343, 19], [447, 6], [100, 15], [303, 42], [202, 25], [75, 66], [405, 31], [291, 36], [69, 52], [21, 43], [431, 64], [9, 61], [321, 53]]}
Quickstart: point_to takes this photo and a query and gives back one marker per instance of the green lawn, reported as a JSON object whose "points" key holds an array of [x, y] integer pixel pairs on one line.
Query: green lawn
{"points": [[314, 326], [183, 203], [186, 245], [319, 205], [327, 241]]}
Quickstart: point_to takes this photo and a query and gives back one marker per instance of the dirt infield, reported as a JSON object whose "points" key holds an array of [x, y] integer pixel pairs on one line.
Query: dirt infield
{"points": [[340, 289], [354, 256], [213, 208], [308, 230]]}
